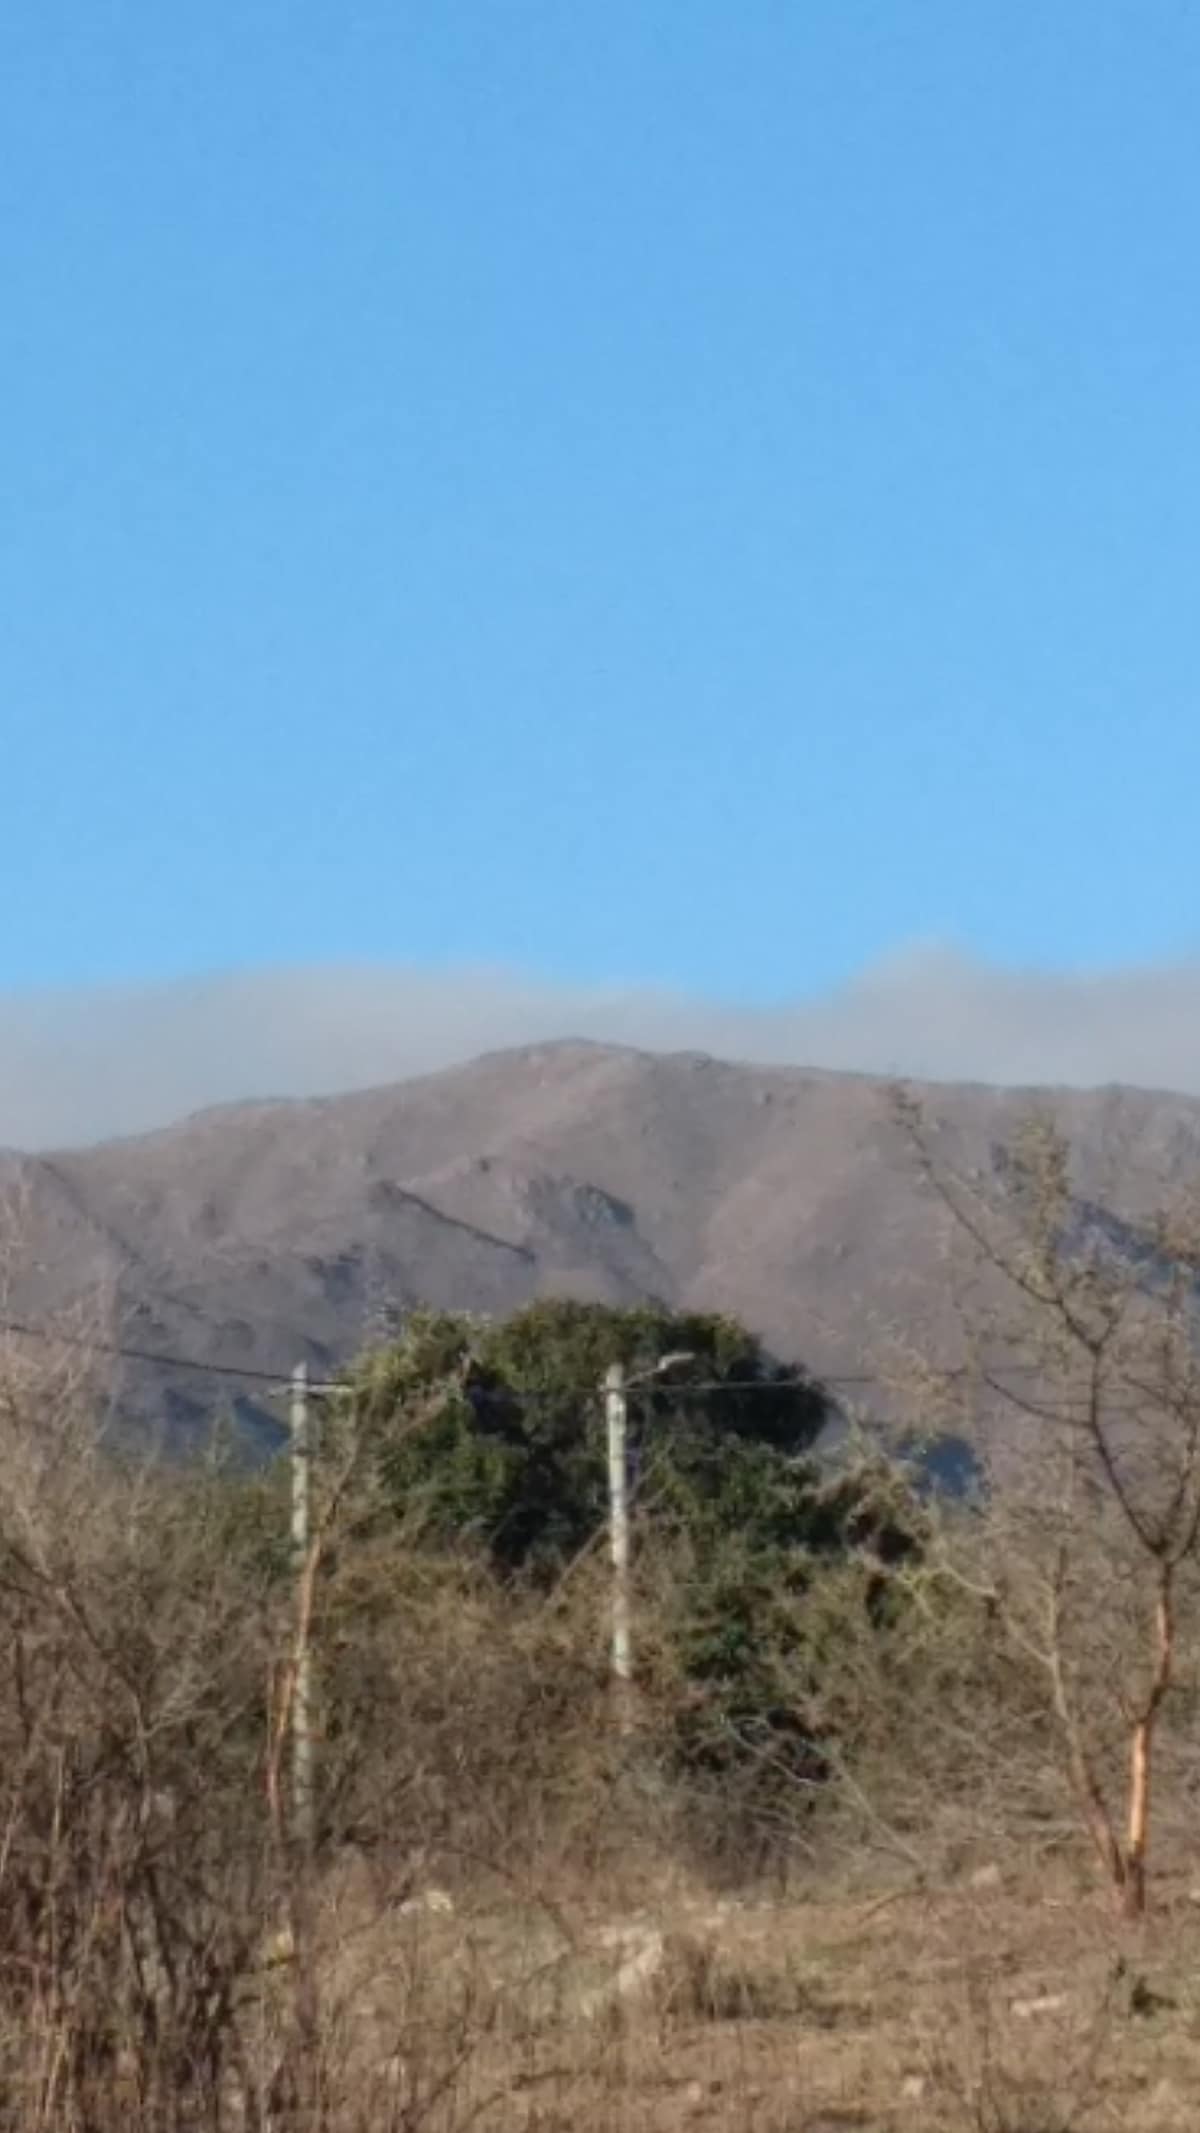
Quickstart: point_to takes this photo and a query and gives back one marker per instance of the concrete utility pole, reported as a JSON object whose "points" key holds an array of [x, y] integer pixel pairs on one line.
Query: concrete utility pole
{"points": [[302, 1739], [616, 1414]]}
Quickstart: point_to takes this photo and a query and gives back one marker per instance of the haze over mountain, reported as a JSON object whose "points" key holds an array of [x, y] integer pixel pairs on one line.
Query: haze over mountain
{"points": [[255, 1235], [81, 1063]]}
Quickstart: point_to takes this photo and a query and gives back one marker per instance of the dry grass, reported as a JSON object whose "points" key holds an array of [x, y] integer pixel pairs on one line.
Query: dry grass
{"points": [[175, 1959], [1022, 2011]]}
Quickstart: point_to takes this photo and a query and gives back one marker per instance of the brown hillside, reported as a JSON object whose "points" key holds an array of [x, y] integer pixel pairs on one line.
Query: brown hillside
{"points": [[260, 1233]]}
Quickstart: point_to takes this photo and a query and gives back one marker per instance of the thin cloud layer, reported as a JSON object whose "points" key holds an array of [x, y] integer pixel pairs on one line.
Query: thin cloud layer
{"points": [[79, 1066]]}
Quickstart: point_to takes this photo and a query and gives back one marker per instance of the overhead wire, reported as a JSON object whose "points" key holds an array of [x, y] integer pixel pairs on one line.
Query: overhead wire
{"points": [[250, 1373], [56, 1337]]}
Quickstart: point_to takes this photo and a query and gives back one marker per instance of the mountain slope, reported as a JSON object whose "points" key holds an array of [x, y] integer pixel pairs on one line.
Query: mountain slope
{"points": [[255, 1235]]}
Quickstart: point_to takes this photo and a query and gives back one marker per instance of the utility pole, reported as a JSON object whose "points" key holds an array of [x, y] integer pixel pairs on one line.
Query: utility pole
{"points": [[302, 1739], [616, 1415]]}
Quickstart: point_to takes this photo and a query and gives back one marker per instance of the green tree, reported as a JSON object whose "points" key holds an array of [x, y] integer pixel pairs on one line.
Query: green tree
{"points": [[495, 1432], [493, 1435]]}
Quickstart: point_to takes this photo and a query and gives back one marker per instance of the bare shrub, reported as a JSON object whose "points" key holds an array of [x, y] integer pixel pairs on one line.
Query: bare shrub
{"points": [[134, 1874], [1038, 2067], [466, 1727], [1082, 1397]]}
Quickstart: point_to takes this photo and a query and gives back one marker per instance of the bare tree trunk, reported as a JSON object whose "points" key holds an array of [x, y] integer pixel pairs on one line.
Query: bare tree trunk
{"points": [[1134, 1893], [1089, 1794], [1142, 1749], [1098, 1823]]}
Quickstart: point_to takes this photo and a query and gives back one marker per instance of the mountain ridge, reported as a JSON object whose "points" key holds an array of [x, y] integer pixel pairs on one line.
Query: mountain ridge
{"points": [[249, 1234]]}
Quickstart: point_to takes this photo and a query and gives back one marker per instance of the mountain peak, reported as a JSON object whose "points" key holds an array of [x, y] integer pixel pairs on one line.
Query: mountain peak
{"points": [[252, 1235]]}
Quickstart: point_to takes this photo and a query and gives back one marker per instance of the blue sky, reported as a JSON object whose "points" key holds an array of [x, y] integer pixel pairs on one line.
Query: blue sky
{"points": [[697, 494]]}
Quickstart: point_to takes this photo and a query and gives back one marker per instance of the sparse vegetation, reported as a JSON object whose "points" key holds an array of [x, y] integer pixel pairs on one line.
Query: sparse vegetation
{"points": [[1083, 1393], [837, 1874]]}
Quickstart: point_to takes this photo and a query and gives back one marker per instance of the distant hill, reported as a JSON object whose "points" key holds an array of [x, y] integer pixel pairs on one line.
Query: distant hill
{"points": [[259, 1234]]}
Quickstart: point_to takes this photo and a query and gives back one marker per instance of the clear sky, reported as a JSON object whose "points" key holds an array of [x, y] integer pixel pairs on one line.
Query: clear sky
{"points": [[701, 492]]}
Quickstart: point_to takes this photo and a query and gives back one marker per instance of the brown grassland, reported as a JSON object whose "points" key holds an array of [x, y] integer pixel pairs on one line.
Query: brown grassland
{"points": [[978, 1912]]}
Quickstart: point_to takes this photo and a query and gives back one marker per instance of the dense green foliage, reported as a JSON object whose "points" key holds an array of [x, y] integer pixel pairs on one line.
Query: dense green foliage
{"points": [[492, 1435], [495, 1431]]}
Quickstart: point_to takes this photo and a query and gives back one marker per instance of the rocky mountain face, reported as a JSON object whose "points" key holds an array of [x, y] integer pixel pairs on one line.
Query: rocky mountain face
{"points": [[260, 1234]]}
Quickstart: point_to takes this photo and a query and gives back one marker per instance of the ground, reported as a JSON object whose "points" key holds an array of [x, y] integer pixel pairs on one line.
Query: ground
{"points": [[988, 2008]]}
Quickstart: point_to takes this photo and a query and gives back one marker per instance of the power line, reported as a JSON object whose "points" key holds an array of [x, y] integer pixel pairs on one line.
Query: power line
{"points": [[819, 1380], [279, 1381], [52, 1337], [682, 1388]]}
